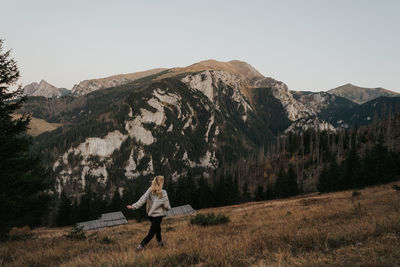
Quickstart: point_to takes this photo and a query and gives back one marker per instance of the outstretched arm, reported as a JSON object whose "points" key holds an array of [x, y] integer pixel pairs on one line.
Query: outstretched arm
{"points": [[140, 202]]}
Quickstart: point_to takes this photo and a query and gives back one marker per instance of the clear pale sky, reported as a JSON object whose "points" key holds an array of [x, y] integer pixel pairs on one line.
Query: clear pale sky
{"points": [[309, 45]]}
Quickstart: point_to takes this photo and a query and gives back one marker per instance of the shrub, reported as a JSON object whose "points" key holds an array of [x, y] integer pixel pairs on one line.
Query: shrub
{"points": [[106, 240], [396, 187], [77, 233], [20, 233], [209, 219]]}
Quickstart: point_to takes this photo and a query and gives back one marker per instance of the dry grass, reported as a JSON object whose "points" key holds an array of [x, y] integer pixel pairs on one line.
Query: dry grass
{"points": [[334, 229], [38, 126]]}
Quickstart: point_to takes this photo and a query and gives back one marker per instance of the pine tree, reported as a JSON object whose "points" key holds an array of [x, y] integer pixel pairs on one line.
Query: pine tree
{"points": [[169, 186], [84, 208], [218, 191], [23, 181], [292, 187], [281, 185], [325, 184], [205, 194], [260, 195], [246, 194], [335, 176], [351, 175], [116, 202], [64, 211], [127, 199], [74, 212]]}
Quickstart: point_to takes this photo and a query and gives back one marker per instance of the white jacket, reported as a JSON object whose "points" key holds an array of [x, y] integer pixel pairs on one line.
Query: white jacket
{"points": [[155, 206]]}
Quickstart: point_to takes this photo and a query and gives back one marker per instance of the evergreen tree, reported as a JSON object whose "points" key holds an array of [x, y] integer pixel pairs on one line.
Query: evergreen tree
{"points": [[351, 171], [127, 199], [324, 183], [74, 212], [186, 191], [335, 176], [269, 193], [246, 194], [84, 207], [116, 202], [138, 188], [64, 211], [169, 186], [97, 205], [226, 191], [260, 195], [292, 187], [235, 193], [205, 194], [368, 168], [23, 181], [281, 185]]}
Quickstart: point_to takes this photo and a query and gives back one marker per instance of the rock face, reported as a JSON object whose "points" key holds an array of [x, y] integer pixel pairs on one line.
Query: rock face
{"points": [[361, 95], [176, 124], [88, 86], [43, 89], [295, 109]]}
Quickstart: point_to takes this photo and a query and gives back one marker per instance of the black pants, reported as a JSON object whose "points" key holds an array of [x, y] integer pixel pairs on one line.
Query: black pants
{"points": [[155, 229]]}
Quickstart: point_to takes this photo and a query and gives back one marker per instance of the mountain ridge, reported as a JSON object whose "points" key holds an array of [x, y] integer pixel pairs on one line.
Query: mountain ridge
{"points": [[361, 95], [88, 86]]}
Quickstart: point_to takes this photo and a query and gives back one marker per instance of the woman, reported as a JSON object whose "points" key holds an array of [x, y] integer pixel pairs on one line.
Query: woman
{"points": [[157, 204]]}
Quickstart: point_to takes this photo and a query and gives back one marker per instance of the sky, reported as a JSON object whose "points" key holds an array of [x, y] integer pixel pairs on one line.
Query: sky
{"points": [[309, 45]]}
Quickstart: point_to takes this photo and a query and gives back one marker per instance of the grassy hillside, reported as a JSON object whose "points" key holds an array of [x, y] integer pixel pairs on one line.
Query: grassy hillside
{"points": [[336, 229], [39, 126]]}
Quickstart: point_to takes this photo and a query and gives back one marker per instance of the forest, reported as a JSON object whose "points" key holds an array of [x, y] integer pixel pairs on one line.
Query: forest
{"points": [[305, 161]]}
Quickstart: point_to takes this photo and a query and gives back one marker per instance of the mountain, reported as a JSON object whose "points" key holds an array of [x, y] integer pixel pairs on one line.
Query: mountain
{"points": [[325, 107], [87, 86], [194, 118], [339, 112], [44, 89], [361, 95], [176, 122]]}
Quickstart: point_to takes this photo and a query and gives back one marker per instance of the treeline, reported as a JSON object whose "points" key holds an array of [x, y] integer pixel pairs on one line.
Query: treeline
{"points": [[91, 205], [309, 151], [297, 162], [375, 166], [200, 193]]}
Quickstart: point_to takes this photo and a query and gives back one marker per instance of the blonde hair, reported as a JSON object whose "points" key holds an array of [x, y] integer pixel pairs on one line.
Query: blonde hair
{"points": [[156, 185]]}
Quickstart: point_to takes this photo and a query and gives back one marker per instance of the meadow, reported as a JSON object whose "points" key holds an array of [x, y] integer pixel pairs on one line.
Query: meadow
{"points": [[336, 229]]}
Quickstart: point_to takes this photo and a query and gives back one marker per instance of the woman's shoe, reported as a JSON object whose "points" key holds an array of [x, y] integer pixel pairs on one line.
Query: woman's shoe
{"points": [[139, 248]]}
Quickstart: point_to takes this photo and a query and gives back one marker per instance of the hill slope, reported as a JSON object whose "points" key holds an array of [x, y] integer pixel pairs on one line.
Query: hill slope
{"points": [[333, 229]]}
